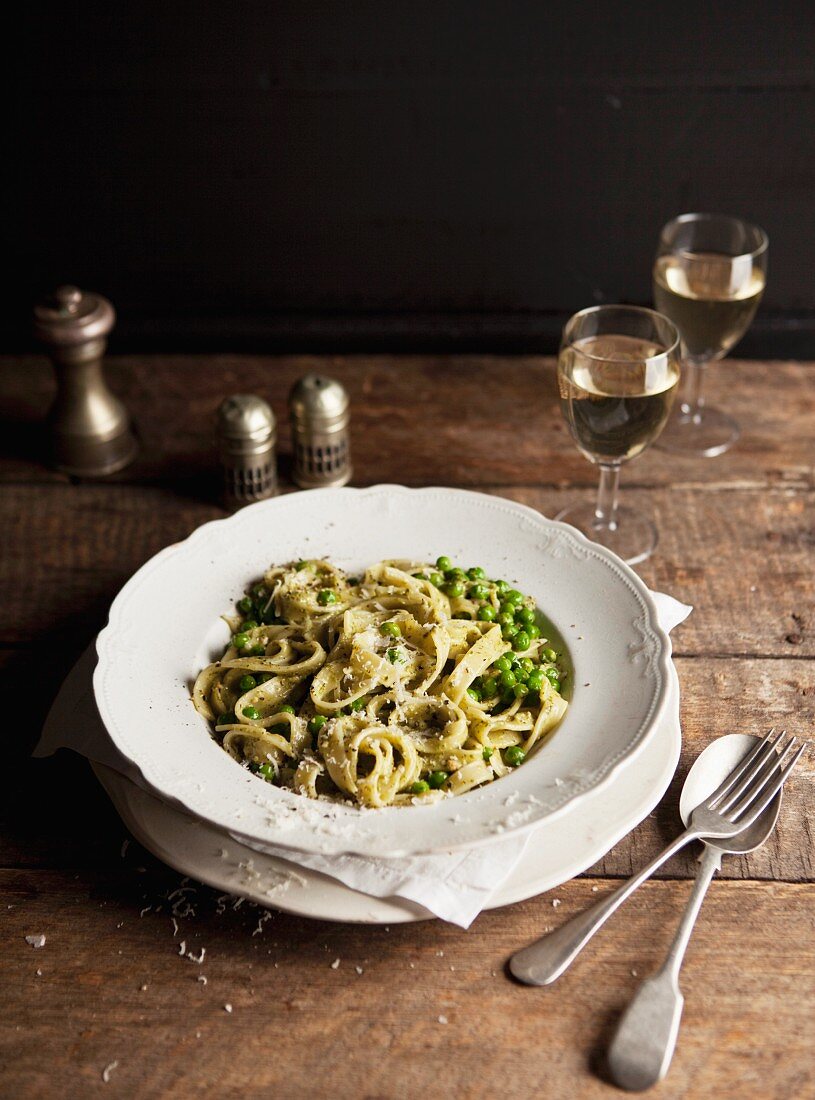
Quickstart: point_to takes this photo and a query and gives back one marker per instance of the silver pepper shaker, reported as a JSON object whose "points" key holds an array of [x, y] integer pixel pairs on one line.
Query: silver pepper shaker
{"points": [[91, 432], [248, 434], [319, 426]]}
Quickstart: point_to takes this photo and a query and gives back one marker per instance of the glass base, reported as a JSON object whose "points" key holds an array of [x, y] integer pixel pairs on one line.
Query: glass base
{"points": [[634, 538], [708, 432]]}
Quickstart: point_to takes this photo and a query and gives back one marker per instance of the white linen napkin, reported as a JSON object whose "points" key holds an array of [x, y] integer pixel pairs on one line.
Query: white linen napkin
{"points": [[454, 886]]}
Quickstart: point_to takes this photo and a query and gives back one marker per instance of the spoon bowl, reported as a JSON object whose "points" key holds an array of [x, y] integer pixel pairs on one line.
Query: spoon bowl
{"points": [[710, 768]]}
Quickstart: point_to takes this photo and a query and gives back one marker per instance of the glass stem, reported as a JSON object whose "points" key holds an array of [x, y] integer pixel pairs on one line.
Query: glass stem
{"points": [[605, 511], [692, 401]]}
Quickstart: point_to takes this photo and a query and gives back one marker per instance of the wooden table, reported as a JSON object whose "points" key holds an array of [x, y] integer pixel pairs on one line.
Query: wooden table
{"points": [[109, 986]]}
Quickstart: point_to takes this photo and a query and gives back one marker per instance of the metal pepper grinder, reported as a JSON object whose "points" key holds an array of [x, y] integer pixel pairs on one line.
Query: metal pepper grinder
{"points": [[91, 432]]}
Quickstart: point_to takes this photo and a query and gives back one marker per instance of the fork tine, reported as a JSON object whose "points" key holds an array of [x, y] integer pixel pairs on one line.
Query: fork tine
{"points": [[756, 775], [768, 793], [748, 764], [761, 783]]}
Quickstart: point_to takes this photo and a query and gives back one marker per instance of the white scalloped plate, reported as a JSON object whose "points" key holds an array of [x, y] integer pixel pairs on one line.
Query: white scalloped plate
{"points": [[165, 625]]}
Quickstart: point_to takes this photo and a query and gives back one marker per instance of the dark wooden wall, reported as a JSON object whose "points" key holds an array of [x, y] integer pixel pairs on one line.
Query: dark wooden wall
{"points": [[399, 174]]}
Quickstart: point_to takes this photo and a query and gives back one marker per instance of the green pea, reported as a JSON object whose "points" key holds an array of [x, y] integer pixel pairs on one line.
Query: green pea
{"points": [[478, 592], [268, 617], [503, 664], [393, 629], [555, 684], [357, 705], [420, 787], [240, 640], [437, 579], [302, 564], [527, 664], [396, 656], [487, 751], [437, 779], [326, 596], [552, 675], [251, 712], [520, 690], [520, 642], [258, 650], [525, 615], [420, 576], [476, 573], [508, 679], [245, 605], [263, 677], [226, 719], [266, 770], [505, 618], [521, 675], [260, 592], [533, 630], [454, 589], [514, 756], [486, 613], [455, 574], [501, 587], [474, 693], [317, 723], [443, 563], [286, 709], [489, 686], [507, 608], [246, 683], [510, 630], [250, 624], [513, 596], [535, 681], [550, 654]]}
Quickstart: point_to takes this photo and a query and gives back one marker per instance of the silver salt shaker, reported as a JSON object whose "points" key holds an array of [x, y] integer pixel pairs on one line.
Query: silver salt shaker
{"points": [[248, 434], [319, 425]]}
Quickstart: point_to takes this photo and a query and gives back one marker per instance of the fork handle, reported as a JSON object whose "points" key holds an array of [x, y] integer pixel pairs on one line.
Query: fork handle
{"points": [[643, 1044], [546, 959]]}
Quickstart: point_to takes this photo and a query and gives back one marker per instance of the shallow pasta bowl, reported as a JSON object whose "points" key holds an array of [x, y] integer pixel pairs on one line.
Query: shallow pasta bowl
{"points": [[166, 624]]}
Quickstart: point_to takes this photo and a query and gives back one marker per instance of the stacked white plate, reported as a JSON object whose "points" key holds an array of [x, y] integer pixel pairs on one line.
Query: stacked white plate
{"points": [[601, 772]]}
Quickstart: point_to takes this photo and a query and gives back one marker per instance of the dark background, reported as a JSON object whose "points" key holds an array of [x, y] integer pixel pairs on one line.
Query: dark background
{"points": [[356, 175]]}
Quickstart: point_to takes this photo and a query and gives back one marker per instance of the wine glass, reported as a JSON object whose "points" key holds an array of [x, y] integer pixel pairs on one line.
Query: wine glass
{"points": [[709, 276], [618, 371]]}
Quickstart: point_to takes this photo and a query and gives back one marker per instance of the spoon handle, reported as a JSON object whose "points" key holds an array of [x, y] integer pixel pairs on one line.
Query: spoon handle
{"points": [[546, 959], [643, 1044]]}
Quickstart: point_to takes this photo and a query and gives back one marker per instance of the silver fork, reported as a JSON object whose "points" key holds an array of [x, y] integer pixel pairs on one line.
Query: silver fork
{"points": [[733, 806]]}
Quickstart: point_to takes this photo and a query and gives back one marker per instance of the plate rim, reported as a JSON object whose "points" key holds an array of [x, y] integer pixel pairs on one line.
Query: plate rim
{"points": [[394, 910]]}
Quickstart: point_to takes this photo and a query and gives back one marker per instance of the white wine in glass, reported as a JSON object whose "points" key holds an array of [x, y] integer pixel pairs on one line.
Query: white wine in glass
{"points": [[618, 372], [709, 276]]}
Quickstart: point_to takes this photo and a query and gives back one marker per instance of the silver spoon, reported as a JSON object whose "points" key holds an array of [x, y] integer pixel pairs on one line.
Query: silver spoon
{"points": [[643, 1044]]}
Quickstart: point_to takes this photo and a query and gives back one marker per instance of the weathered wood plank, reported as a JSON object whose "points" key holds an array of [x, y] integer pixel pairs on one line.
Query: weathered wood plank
{"points": [[418, 420], [55, 814], [300, 1028], [747, 568]]}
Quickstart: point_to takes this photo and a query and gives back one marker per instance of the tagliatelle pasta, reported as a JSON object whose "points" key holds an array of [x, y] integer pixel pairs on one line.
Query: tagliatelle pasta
{"points": [[409, 683]]}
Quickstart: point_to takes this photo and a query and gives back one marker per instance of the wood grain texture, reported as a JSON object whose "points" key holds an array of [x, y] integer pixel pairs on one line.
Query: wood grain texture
{"points": [[299, 1028], [419, 420], [747, 567], [737, 541]]}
